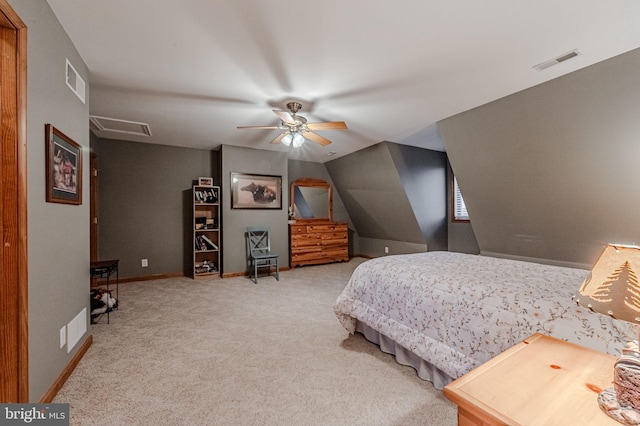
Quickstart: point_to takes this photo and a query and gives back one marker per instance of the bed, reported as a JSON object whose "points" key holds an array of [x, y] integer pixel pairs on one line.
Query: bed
{"points": [[445, 313]]}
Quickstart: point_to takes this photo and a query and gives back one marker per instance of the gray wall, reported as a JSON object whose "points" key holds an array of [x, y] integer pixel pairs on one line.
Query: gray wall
{"points": [[551, 172], [424, 179], [373, 191], [58, 252], [236, 221], [145, 204]]}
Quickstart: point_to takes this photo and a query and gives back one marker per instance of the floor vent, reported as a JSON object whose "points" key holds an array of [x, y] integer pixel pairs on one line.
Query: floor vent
{"points": [[105, 124], [557, 60]]}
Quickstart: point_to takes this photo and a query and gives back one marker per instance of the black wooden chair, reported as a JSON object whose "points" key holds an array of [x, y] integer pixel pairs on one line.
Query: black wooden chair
{"points": [[260, 254]]}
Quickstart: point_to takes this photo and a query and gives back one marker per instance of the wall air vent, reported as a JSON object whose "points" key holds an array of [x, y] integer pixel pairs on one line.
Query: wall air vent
{"points": [[557, 60], [75, 82], [105, 124]]}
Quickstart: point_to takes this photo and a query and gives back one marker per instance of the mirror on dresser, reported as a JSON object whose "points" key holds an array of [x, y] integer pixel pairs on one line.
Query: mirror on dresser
{"points": [[313, 235], [311, 200]]}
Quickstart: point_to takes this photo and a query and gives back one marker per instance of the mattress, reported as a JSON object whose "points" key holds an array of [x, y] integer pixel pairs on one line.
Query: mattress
{"points": [[456, 311]]}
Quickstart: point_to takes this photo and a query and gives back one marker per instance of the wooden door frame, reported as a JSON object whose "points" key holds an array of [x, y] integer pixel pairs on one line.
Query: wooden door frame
{"points": [[13, 172], [93, 206]]}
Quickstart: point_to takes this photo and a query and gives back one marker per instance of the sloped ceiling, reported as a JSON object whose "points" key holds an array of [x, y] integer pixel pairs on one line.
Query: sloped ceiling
{"points": [[193, 70], [551, 172], [423, 175], [371, 186]]}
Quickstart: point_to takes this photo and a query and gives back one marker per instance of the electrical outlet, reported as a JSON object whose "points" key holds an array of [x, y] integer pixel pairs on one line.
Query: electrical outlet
{"points": [[386, 249], [145, 263], [63, 336]]}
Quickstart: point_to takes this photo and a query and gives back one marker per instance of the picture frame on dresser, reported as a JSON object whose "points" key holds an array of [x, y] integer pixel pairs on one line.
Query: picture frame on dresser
{"points": [[250, 191]]}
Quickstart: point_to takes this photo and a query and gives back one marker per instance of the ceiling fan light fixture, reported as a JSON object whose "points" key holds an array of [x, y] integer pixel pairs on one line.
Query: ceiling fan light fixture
{"points": [[296, 130], [298, 140], [293, 137], [286, 140]]}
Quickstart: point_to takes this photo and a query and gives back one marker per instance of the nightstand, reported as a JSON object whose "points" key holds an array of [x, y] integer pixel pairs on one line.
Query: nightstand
{"points": [[540, 381]]}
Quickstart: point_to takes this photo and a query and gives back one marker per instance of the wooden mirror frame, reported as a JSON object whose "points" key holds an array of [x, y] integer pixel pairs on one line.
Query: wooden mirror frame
{"points": [[313, 183]]}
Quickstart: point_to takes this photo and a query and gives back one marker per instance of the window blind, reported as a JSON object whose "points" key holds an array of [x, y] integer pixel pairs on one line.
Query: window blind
{"points": [[460, 209]]}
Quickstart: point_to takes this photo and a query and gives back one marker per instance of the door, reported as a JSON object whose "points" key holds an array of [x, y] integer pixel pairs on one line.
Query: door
{"points": [[14, 377]]}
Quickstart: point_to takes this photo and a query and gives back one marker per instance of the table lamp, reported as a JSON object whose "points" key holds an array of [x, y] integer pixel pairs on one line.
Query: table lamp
{"points": [[613, 289]]}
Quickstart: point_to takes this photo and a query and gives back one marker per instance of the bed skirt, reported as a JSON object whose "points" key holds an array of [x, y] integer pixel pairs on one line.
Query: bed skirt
{"points": [[425, 370]]}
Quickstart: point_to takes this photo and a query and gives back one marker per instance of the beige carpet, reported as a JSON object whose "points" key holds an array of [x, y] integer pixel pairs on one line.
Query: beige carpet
{"points": [[230, 352]]}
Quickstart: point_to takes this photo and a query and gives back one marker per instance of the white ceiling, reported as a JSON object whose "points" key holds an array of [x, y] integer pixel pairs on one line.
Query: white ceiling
{"points": [[193, 70]]}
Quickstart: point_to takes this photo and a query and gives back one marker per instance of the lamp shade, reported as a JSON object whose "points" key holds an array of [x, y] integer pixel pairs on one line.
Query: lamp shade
{"points": [[613, 288], [286, 140], [295, 137], [298, 140]]}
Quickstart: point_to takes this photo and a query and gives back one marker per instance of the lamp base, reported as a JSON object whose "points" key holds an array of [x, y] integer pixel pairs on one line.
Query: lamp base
{"points": [[609, 404]]}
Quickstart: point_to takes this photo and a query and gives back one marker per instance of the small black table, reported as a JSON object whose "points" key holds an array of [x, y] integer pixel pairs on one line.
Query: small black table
{"points": [[104, 269]]}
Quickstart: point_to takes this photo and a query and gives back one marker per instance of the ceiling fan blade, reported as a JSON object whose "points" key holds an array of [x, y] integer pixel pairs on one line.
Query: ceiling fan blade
{"points": [[284, 116], [279, 138], [258, 127], [328, 125], [316, 138]]}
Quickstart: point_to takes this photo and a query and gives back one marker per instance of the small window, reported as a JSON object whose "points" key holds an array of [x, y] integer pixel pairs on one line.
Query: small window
{"points": [[460, 213]]}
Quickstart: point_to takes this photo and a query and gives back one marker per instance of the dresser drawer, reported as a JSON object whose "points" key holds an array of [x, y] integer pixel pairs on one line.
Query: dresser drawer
{"points": [[305, 256], [306, 249], [299, 240], [336, 253], [335, 242], [298, 229], [316, 243], [327, 227], [334, 236]]}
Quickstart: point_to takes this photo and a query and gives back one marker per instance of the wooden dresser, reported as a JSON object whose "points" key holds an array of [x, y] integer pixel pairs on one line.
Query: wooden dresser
{"points": [[315, 243]]}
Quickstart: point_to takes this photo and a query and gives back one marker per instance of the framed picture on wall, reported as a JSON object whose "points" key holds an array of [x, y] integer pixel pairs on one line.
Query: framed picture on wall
{"points": [[255, 191], [64, 167]]}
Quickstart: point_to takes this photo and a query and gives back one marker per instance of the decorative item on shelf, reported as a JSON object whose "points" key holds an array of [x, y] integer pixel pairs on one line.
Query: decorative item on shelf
{"points": [[206, 196], [205, 267], [203, 243], [613, 289], [205, 181]]}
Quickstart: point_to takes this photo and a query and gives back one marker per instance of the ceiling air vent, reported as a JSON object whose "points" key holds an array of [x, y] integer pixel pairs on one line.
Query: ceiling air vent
{"points": [[557, 60], [105, 124], [75, 82]]}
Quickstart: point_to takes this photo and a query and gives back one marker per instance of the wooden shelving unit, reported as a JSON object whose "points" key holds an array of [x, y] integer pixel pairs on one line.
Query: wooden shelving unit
{"points": [[206, 231]]}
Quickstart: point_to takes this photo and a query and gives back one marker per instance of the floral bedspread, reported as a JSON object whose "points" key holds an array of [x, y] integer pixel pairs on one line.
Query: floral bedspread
{"points": [[457, 310]]}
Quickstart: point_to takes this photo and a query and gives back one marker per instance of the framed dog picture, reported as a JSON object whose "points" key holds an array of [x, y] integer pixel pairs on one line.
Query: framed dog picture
{"points": [[64, 167], [255, 191]]}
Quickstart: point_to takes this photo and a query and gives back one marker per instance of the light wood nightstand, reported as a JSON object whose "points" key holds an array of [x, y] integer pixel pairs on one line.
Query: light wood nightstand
{"points": [[540, 381]]}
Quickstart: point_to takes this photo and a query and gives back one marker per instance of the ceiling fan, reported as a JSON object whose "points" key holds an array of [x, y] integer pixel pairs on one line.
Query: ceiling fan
{"points": [[296, 129]]}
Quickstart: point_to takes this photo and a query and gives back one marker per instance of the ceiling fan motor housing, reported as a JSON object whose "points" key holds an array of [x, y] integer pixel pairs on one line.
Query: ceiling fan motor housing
{"points": [[294, 107]]}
